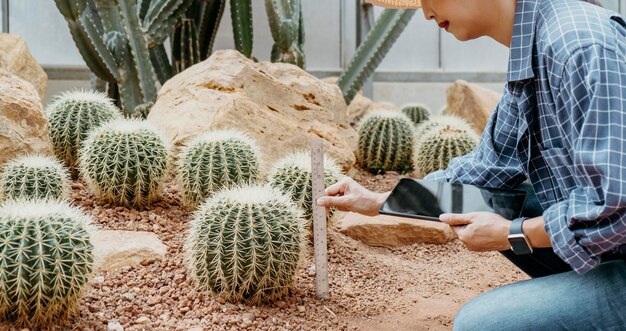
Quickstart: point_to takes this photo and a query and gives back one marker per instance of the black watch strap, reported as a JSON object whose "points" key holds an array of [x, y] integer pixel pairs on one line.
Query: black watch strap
{"points": [[517, 239]]}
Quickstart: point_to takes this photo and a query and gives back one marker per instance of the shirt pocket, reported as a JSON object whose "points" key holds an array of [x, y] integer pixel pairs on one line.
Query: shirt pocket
{"points": [[561, 171]]}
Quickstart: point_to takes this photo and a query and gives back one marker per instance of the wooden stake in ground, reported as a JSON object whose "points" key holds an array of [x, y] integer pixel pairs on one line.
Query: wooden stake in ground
{"points": [[319, 219]]}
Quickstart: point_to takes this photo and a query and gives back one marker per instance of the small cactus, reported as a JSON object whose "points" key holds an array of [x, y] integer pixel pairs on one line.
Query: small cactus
{"points": [[34, 177], [216, 160], [418, 113], [440, 146], [385, 142], [45, 261], [436, 123], [292, 175], [125, 162], [71, 117], [246, 244]]}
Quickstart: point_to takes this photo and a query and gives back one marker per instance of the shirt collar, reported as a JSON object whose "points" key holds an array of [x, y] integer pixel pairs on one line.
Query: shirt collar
{"points": [[521, 49]]}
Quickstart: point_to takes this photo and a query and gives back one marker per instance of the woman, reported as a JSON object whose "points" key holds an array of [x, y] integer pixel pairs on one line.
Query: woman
{"points": [[561, 126]]}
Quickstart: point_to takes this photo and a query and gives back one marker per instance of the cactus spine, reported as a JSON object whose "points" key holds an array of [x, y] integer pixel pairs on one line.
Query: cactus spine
{"points": [[34, 177], [292, 176], [71, 116], [440, 146], [286, 24], [216, 160], [125, 162], [385, 142], [418, 113], [246, 243], [45, 261]]}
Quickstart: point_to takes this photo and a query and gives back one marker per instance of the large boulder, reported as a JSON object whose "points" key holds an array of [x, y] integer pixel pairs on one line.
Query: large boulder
{"points": [[471, 102], [390, 231], [23, 125], [17, 59], [280, 105], [114, 249]]}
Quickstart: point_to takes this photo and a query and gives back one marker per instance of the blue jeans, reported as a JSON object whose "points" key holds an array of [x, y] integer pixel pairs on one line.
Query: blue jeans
{"points": [[564, 301]]}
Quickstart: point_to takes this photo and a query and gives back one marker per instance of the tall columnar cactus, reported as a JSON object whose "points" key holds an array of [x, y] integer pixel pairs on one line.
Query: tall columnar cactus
{"points": [[71, 116], [34, 177], [385, 142], [216, 160], [417, 112], [46, 258], [125, 162], [372, 51], [287, 26], [440, 146], [292, 175], [246, 243]]}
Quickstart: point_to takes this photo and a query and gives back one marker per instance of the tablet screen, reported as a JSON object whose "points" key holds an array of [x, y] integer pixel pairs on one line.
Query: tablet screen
{"points": [[427, 200]]}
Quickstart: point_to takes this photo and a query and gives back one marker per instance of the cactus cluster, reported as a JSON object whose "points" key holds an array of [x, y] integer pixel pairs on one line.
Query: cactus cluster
{"points": [[34, 177], [416, 112], [385, 142], [440, 146], [71, 116], [287, 27], [292, 176], [45, 261], [216, 160], [125, 162], [246, 244]]}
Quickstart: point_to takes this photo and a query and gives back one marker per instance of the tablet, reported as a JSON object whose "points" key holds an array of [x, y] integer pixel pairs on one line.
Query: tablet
{"points": [[423, 199]]}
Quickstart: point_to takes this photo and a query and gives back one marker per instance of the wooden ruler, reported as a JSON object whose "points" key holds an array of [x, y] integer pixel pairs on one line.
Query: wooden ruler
{"points": [[319, 219]]}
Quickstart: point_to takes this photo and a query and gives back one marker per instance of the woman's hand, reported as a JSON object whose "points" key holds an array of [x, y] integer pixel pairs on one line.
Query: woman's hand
{"points": [[348, 195], [480, 231]]}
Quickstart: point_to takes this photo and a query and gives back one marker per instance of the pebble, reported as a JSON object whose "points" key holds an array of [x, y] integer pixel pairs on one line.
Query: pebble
{"points": [[98, 279], [281, 304], [311, 270], [128, 296], [248, 317], [142, 320], [301, 309], [195, 328], [114, 326]]}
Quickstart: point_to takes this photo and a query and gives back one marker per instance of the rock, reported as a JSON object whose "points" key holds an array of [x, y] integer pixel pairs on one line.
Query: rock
{"points": [[23, 125], [472, 103], [142, 320], [114, 326], [248, 317], [114, 249], [389, 231], [279, 105], [17, 59]]}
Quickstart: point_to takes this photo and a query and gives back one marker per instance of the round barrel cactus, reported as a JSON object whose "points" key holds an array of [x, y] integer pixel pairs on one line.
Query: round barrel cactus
{"points": [[71, 116], [125, 162], [246, 244], [440, 146], [436, 123], [385, 142], [46, 258], [416, 112], [214, 161], [34, 177], [292, 175]]}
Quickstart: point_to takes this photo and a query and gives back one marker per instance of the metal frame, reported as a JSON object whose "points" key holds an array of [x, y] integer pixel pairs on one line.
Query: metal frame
{"points": [[5, 16]]}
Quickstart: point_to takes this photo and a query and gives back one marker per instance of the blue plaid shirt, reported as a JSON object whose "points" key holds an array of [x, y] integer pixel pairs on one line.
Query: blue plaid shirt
{"points": [[561, 124]]}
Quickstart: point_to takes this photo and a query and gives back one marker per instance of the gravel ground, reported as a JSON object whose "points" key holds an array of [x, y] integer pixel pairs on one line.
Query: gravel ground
{"points": [[417, 287]]}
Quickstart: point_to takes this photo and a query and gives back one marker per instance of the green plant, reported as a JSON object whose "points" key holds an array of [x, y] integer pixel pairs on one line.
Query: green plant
{"points": [[287, 26], [71, 116], [417, 112], [436, 123], [216, 160], [440, 146], [34, 177], [125, 162], [371, 52], [292, 176], [246, 243], [45, 261], [385, 142]]}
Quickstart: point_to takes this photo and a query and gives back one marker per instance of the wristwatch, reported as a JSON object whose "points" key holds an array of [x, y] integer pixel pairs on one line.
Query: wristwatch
{"points": [[517, 239]]}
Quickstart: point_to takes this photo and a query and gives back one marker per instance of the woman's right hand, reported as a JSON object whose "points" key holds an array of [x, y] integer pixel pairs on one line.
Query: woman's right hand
{"points": [[348, 195]]}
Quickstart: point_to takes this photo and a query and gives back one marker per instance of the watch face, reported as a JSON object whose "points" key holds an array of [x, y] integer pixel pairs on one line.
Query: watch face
{"points": [[519, 245]]}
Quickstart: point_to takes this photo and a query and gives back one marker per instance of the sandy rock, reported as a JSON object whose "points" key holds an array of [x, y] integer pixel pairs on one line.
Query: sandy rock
{"points": [[114, 326], [279, 105], [471, 102], [17, 59], [388, 231], [23, 125], [114, 249]]}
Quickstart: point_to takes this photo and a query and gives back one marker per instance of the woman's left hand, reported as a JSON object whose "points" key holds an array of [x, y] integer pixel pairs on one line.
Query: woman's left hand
{"points": [[480, 231]]}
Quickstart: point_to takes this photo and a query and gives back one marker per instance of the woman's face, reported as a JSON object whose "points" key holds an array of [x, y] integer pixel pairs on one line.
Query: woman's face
{"points": [[465, 19]]}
